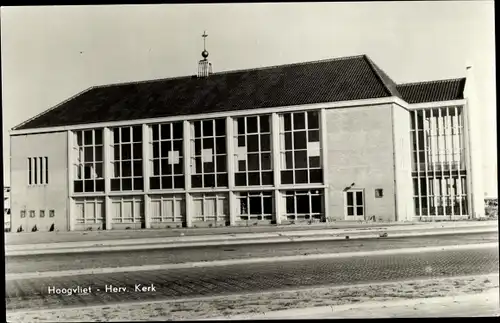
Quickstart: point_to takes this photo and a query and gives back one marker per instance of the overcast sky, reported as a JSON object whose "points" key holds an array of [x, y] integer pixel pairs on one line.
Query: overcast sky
{"points": [[52, 53]]}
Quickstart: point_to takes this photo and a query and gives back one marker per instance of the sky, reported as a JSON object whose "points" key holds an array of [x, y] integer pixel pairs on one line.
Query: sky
{"points": [[50, 53]]}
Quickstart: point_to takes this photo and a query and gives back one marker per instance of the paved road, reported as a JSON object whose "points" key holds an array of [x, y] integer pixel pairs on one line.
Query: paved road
{"points": [[33, 293], [57, 262]]}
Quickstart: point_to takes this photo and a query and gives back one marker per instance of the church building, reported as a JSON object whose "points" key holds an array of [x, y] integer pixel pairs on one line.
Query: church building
{"points": [[327, 140]]}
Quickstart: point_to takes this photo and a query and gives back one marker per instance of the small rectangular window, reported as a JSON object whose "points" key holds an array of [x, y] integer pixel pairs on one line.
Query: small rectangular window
{"points": [[42, 213], [23, 213], [379, 192], [52, 213], [32, 213]]}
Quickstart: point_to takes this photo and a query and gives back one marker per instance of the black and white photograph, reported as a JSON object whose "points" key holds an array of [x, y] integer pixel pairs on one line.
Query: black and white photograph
{"points": [[250, 161]]}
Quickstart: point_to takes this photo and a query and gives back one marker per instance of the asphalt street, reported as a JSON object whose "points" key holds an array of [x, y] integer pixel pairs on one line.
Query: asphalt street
{"points": [[212, 281], [58, 262]]}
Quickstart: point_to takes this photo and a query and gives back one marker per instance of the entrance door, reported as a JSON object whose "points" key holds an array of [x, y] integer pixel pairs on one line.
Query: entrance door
{"points": [[354, 205]]}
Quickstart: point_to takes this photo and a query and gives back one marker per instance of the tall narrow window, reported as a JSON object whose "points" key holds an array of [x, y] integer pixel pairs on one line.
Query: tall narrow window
{"points": [[126, 159], [252, 147], [301, 148], [88, 163], [30, 171], [167, 171], [42, 170], [208, 147], [46, 170], [35, 175]]}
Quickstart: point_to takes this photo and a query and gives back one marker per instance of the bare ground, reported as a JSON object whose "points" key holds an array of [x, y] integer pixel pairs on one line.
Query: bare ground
{"points": [[231, 305]]}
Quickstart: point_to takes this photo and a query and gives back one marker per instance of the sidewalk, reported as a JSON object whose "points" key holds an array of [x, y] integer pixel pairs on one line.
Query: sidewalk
{"points": [[483, 304], [13, 238], [195, 240]]}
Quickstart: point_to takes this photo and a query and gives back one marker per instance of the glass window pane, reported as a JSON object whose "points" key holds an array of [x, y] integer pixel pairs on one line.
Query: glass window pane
{"points": [[316, 203], [221, 163], [287, 120], [240, 179], [265, 124], [126, 168], [220, 127], [137, 151], [359, 211], [98, 153], [287, 177], [254, 178], [314, 161], [125, 134], [178, 130], [220, 144], [88, 137], [89, 154], [240, 125], [313, 120], [137, 132], [301, 176], [265, 142], [197, 129], [359, 198], [253, 143], [290, 204], [350, 200], [126, 151], [253, 161], [299, 140], [316, 176], [137, 168], [267, 178], [300, 159], [303, 204], [222, 180], [156, 131], [350, 211], [165, 131], [313, 136], [98, 137], [196, 180], [208, 128], [209, 180], [266, 161], [299, 120], [252, 125]]}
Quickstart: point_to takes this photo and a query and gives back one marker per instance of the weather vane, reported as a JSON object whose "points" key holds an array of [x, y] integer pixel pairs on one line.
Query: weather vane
{"points": [[204, 38], [205, 52]]}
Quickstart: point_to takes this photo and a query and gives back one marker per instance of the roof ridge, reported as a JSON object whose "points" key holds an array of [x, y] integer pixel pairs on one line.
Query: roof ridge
{"points": [[324, 60], [377, 70], [431, 81], [236, 71], [52, 108]]}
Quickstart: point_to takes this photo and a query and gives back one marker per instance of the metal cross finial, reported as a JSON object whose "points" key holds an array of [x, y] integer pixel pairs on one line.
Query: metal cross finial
{"points": [[204, 38]]}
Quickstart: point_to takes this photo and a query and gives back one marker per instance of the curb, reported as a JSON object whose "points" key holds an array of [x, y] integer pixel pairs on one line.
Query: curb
{"points": [[167, 244], [219, 263]]}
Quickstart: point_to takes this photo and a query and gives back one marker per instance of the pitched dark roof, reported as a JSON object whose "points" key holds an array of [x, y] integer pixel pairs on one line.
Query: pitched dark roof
{"points": [[341, 79], [331, 80], [433, 91]]}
